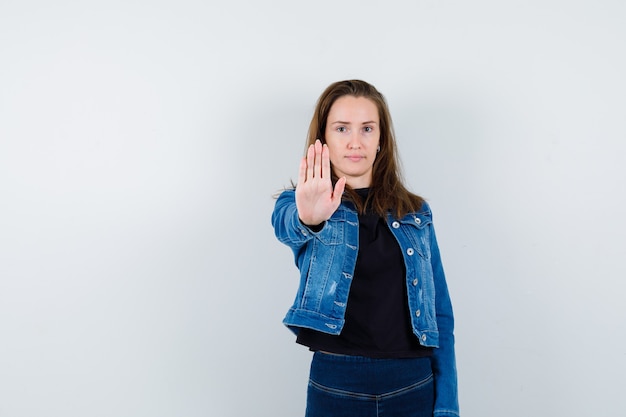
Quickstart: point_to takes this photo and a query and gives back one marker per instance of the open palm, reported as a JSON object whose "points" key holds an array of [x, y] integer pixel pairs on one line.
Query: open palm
{"points": [[316, 199]]}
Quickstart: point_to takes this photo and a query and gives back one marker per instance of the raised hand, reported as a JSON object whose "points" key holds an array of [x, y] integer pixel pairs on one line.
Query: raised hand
{"points": [[316, 199]]}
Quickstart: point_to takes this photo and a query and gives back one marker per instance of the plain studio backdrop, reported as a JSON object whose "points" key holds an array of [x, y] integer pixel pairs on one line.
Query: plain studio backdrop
{"points": [[141, 144]]}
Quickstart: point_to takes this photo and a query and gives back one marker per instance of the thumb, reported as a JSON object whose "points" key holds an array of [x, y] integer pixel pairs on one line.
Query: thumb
{"points": [[340, 186]]}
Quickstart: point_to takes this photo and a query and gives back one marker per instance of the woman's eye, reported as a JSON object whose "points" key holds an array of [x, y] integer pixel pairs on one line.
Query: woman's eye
{"points": [[341, 129], [368, 128]]}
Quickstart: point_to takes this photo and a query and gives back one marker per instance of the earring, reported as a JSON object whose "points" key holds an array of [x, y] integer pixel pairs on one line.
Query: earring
{"points": [[378, 149]]}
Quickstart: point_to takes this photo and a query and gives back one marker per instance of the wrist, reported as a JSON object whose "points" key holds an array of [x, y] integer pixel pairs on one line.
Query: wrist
{"points": [[316, 227]]}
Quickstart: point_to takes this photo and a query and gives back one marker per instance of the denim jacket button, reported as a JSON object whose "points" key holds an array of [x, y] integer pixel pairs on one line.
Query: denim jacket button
{"points": [[423, 337], [415, 281], [418, 313], [417, 220], [410, 251], [395, 225]]}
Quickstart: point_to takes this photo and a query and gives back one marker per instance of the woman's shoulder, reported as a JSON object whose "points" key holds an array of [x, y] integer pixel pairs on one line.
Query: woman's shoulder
{"points": [[425, 208], [286, 193], [284, 200], [421, 216]]}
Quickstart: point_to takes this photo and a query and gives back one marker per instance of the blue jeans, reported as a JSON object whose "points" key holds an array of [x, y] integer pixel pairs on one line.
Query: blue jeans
{"points": [[355, 386]]}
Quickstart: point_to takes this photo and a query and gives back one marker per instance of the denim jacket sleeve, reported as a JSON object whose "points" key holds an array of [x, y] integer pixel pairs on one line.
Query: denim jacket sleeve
{"points": [[444, 361], [287, 225]]}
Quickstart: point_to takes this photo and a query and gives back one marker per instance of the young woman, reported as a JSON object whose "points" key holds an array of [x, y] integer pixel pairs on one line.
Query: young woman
{"points": [[373, 303]]}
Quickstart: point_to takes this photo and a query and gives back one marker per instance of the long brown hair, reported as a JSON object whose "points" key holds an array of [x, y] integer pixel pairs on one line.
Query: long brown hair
{"points": [[387, 192]]}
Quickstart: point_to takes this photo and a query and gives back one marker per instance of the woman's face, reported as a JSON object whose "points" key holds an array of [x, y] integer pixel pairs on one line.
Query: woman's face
{"points": [[352, 135]]}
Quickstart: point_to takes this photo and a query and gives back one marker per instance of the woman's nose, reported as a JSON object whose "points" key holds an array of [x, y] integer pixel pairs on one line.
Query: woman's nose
{"points": [[355, 141]]}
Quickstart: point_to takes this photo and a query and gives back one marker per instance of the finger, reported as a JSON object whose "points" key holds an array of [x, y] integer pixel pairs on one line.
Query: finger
{"points": [[302, 171], [310, 160], [318, 159], [326, 163], [340, 186]]}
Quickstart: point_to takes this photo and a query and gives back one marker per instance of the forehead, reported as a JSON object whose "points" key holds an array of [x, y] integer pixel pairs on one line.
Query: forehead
{"points": [[350, 108]]}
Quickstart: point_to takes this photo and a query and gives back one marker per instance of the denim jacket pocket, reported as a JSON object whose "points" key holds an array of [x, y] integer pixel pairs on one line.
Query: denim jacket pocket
{"points": [[420, 235]]}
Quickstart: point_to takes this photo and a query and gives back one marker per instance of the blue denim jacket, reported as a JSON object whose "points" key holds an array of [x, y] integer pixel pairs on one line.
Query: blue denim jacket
{"points": [[326, 260]]}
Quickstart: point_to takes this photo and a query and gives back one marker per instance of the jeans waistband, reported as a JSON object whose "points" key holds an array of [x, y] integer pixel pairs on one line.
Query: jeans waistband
{"points": [[368, 375]]}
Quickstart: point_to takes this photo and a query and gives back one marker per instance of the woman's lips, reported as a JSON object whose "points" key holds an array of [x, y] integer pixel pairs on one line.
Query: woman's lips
{"points": [[355, 158]]}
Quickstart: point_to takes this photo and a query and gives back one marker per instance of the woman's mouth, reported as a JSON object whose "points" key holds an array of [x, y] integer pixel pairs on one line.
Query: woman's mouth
{"points": [[355, 158]]}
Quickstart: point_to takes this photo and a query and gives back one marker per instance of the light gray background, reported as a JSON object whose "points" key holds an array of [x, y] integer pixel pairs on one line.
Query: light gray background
{"points": [[141, 143]]}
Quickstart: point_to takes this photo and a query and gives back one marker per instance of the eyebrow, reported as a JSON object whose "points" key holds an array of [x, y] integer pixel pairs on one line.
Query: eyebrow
{"points": [[369, 122]]}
